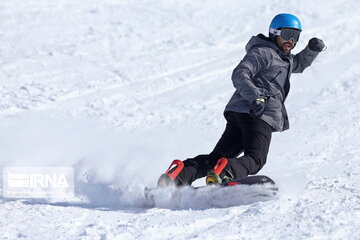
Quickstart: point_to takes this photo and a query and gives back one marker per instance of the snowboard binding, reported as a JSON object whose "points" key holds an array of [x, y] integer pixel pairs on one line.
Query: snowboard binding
{"points": [[218, 175], [169, 177]]}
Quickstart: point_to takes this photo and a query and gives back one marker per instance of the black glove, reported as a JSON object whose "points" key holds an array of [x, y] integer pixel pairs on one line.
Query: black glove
{"points": [[258, 107], [316, 44]]}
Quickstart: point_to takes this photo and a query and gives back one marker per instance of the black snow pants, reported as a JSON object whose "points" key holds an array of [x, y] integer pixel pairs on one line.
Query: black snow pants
{"points": [[243, 134]]}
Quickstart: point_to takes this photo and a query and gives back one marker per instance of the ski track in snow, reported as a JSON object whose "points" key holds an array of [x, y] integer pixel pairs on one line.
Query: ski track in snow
{"points": [[117, 89]]}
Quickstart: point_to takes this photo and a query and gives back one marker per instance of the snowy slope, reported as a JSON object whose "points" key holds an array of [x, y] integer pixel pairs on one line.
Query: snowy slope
{"points": [[118, 89]]}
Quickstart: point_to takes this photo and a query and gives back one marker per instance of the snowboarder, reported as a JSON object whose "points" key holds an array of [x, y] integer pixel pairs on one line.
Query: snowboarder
{"points": [[255, 110]]}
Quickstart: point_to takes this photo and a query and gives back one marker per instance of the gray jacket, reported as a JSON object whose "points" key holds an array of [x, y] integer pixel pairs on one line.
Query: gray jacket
{"points": [[265, 72]]}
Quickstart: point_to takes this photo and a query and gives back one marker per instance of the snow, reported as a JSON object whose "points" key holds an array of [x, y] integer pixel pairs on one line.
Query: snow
{"points": [[118, 89]]}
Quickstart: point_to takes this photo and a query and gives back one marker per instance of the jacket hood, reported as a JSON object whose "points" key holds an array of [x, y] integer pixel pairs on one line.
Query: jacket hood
{"points": [[262, 41]]}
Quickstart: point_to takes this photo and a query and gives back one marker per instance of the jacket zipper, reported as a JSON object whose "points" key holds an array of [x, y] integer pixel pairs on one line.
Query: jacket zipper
{"points": [[277, 84]]}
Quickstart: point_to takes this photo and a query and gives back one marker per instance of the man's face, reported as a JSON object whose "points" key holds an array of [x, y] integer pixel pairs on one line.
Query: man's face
{"points": [[285, 45]]}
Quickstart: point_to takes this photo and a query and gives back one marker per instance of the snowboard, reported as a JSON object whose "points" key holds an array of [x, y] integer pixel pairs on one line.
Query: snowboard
{"points": [[236, 192]]}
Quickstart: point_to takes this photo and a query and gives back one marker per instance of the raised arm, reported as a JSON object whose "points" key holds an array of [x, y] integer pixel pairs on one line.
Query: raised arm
{"points": [[304, 58]]}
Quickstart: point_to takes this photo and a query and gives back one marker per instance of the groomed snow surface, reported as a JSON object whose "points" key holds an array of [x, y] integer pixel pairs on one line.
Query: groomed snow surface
{"points": [[118, 89]]}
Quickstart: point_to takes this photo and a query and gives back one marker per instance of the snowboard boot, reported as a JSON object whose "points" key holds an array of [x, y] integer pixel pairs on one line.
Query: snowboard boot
{"points": [[171, 176], [220, 174]]}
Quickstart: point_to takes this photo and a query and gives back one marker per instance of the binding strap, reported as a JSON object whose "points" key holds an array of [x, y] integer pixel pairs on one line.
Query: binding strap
{"points": [[175, 168]]}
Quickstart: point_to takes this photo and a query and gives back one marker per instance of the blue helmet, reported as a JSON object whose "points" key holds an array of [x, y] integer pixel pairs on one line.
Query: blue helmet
{"points": [[284, 20]]}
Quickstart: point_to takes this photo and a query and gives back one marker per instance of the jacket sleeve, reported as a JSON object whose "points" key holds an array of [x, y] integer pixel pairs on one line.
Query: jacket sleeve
{"points": [[254, 61], [303, 60]]}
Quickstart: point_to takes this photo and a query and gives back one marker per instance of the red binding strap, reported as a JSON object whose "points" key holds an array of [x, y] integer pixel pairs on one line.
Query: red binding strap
{"points": [[220, 165], [179, 166]]}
